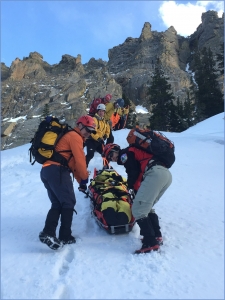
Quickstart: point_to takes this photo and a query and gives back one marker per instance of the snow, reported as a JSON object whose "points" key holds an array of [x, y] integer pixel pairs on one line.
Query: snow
{"points": [[141, 109], [17, 119], [102, 266]]}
